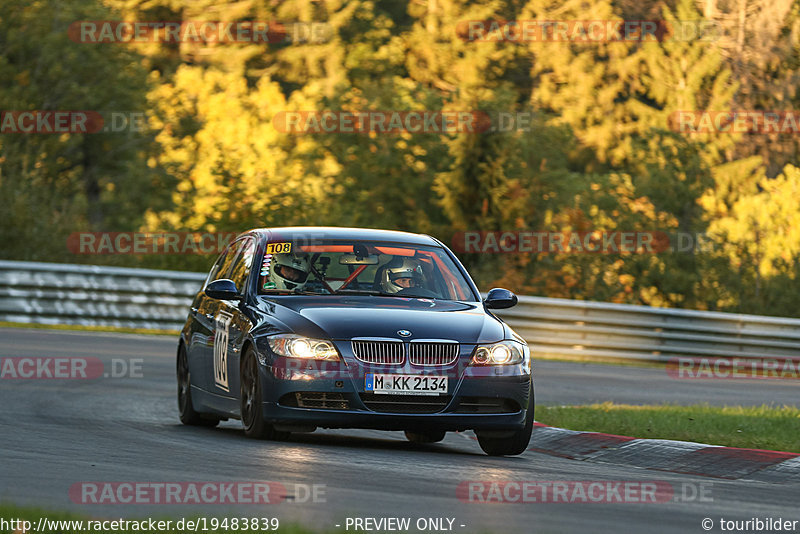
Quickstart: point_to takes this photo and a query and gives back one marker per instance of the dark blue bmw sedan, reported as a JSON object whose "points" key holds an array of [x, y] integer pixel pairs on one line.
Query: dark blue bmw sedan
{"points": [[299, 328]]}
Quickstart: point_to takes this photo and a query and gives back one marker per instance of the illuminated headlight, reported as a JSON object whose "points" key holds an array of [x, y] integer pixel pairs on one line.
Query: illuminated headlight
{"points": [[294, 346], [503, 353]]}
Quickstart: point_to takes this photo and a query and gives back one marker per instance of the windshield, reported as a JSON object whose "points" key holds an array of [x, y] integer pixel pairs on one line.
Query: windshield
{"points": [[361, 267]]}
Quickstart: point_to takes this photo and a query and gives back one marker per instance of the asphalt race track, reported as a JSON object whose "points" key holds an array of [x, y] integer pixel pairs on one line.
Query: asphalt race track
{"points": [[56, 433]]}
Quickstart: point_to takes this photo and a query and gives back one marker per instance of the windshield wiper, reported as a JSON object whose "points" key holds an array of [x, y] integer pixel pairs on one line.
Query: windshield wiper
{"points": [[380, 294], [289, 292], [362, 292]]}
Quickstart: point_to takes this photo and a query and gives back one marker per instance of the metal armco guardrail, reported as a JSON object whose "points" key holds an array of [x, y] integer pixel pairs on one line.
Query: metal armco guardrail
{"points": [[561, 327], [49, 293], [54, 293]]}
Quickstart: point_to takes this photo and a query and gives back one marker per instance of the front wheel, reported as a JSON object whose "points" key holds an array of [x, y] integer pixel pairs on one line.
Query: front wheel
{"points": [[252, 418], [515, 443], [185, 408]]}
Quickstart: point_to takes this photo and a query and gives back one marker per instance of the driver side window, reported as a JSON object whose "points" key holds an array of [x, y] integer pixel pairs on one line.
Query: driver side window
{"points": [[223, 265], [244, 261]]}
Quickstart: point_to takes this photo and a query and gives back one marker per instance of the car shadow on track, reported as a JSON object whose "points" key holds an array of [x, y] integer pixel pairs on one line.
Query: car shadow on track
{"points": [[324, 438]]}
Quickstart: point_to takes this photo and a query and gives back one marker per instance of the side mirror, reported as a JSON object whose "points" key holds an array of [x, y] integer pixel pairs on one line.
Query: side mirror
{"points": [[223, 289], [499, 298]]}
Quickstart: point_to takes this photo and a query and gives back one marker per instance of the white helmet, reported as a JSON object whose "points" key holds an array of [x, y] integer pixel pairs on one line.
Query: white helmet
{"points": [[400, 267], [288, 271]]}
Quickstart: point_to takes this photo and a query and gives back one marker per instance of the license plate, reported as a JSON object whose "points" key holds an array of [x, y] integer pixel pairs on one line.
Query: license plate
{"points": [[406, 384]]}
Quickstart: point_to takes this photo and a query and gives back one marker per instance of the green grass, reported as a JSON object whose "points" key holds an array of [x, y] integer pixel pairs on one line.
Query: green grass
{"points": [[598, 360], [760, 427], [82, 328], [11, 511]]}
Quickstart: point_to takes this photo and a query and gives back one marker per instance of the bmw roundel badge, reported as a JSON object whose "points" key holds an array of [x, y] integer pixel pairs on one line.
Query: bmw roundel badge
{"points": [[404, 333]]}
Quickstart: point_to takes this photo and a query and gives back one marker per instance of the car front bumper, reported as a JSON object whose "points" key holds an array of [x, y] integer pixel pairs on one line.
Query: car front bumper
{"points": [[514, 387]]}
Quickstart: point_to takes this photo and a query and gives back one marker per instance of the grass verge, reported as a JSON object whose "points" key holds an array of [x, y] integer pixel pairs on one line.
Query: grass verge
{"points": [[83, 328], [759, 427], [595, 360]]}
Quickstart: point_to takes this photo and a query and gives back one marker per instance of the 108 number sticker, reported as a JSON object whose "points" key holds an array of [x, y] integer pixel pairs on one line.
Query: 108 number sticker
{"points": [[278, 248]]}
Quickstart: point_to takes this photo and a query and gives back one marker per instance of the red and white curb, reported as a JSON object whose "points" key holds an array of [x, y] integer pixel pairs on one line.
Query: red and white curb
{"points": [[667, 455]]}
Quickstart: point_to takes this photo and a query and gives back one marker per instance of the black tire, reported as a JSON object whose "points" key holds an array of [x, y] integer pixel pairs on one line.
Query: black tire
{"points": [[185, 407], [515, 444], [250, 394], [433, 436]]}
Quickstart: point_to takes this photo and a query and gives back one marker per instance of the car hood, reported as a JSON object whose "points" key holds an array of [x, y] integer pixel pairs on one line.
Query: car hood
{"points": [[346, 317]]}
